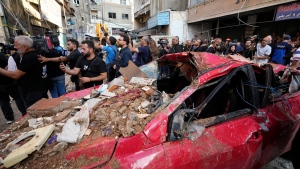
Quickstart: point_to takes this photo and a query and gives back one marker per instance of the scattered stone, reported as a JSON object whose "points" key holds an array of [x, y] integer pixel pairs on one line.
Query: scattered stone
{"points": [[145, 104], [88, 132], [23, 122], [60, 146], [61, 116]]}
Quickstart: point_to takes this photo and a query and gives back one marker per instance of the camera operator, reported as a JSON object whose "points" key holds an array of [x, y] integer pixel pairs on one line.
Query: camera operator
{"points": [[163, 51], [92, 68], [72, 58], [28, 73]]}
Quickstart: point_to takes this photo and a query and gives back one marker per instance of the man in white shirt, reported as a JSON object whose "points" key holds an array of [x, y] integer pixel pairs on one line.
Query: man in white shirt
{"points": [[263, 52]]}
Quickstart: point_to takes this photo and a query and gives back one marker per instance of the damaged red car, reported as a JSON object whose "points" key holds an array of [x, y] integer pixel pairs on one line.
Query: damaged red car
{"points": [[225, 114]]}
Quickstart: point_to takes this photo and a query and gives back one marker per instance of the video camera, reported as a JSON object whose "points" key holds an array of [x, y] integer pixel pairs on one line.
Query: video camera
{"points": [[44, 43], [163, 42]]}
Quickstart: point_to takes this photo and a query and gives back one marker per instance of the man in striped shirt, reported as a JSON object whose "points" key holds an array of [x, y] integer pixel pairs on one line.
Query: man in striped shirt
{"points": [[296, 56]]}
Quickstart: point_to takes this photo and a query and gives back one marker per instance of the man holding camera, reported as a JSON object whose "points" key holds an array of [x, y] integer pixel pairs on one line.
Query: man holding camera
{"points": [[163, 51], [92, 68], [28, 73]]}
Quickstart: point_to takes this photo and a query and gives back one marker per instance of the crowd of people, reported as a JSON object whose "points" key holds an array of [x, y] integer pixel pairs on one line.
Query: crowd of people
{"points": [[270, 49], [22, 78]]}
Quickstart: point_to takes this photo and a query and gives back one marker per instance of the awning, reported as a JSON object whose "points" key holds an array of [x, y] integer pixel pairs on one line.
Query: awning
{"points": [[31, 10]]}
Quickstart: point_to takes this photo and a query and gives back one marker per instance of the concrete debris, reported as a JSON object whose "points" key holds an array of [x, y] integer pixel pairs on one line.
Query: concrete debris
{"points": [[46, 107], [122, 112], [61, 116]]}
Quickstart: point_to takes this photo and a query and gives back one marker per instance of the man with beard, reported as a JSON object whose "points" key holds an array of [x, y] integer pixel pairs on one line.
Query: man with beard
{"points": [[125, 54], [28, 73], [92, 68], [249, 51], [72, 58]]}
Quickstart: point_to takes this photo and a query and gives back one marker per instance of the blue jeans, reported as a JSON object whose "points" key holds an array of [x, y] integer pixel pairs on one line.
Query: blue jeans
{"points": [[58, 87]]}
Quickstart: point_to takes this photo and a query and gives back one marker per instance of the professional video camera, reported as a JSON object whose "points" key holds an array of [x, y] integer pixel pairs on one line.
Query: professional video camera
{"points": [[163, 42]]}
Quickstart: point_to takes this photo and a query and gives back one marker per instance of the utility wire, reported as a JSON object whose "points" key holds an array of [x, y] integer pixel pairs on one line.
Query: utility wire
{"points": [[238, 16]]}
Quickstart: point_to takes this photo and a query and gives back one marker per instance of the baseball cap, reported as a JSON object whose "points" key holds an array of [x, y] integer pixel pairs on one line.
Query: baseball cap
{"points": [[287, 37]]}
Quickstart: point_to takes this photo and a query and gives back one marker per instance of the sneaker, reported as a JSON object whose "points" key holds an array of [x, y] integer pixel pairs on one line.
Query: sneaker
{"points": [[9, 122]]}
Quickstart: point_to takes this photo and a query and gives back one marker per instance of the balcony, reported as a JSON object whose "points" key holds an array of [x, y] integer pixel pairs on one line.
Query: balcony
{"points": [[143, 9]]}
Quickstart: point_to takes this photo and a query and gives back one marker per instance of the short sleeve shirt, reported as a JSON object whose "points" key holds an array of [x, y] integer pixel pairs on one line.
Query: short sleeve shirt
{"points": [[91, 68], [32, 80], [262, 51], [144, 53], [73, 57]]}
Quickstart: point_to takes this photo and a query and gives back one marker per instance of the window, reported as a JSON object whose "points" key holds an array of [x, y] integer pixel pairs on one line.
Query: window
{"points": [[123, 2], [111, 15], [124, 16]]}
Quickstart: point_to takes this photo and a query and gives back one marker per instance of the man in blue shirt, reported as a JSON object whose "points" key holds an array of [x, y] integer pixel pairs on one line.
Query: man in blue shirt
{"points": [[111, 50], [143, 51], [281, 50], [125, 54]]}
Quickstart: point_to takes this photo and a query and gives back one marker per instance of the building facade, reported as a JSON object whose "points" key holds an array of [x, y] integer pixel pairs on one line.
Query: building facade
{"points": [[161, 18], [116, 14], [238, 19], [35, 17]]}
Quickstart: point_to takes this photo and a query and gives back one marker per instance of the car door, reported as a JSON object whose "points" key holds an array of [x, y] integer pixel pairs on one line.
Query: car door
{"points": [[279, 119], [231, 138]]}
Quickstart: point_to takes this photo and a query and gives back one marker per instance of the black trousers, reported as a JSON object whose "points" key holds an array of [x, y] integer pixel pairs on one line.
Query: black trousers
{"points": [[32, 97], [11, 89]]}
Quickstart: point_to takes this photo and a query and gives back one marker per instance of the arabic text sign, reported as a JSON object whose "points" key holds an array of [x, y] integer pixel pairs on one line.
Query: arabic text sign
{"points": [[289, 11], [162, 18], [51, 11]]}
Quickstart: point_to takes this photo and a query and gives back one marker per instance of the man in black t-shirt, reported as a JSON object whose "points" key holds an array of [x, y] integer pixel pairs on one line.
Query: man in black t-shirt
{"points": [[29, 72], [72, 58], [92, 68]]}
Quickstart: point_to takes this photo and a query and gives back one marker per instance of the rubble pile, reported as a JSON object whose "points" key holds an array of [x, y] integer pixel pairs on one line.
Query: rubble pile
{"points": [[124, 114], [123, 111]]}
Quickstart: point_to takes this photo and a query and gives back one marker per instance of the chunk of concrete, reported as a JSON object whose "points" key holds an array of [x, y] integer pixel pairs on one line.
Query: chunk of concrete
{"points": [[46, 107]]}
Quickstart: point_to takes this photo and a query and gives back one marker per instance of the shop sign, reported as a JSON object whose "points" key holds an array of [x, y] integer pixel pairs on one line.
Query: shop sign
{"points": [[288, 11], [161, 18], [51, 11]]}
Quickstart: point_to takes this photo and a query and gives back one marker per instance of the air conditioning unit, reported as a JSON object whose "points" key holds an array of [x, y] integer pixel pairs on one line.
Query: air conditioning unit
{"points": [[77, 5], [68, 23]]}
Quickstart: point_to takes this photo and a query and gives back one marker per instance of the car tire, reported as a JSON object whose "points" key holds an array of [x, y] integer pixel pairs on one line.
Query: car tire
{"points": [[295, 151]]}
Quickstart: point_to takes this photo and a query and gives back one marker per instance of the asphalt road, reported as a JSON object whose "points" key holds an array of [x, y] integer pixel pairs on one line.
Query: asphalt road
{"points": [[278, 163]]}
